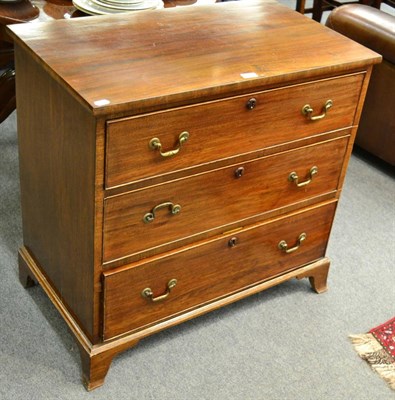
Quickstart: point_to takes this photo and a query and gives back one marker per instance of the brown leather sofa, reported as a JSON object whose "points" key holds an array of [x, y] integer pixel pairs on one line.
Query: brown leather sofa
{"points": [[374, 29]]}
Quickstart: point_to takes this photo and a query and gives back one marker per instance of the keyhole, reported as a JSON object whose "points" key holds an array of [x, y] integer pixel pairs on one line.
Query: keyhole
{"points": [[239, 172], [251, 104], [232, 242]]}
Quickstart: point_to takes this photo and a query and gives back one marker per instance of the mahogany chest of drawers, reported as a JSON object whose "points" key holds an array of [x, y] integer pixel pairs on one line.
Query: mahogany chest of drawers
{"points": [[175, 161]]}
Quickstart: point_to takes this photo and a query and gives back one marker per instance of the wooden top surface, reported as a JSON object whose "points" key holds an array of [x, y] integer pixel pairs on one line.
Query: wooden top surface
{"points": [[146, 59]]}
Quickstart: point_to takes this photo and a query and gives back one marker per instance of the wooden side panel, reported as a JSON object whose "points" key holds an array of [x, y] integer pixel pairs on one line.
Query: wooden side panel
{"points": [[57, 170], [362, 96]]}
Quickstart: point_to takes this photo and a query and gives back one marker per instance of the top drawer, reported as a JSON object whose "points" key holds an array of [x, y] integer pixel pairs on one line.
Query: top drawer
{"points": [[225, 128]]}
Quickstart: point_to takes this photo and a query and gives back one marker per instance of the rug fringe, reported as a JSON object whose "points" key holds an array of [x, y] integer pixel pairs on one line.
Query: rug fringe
{"points": [[371, 350], [365, 343], [387, 372]]}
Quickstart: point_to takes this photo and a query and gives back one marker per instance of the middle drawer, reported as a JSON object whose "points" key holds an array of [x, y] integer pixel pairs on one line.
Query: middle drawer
{"points": [[168, 213]]}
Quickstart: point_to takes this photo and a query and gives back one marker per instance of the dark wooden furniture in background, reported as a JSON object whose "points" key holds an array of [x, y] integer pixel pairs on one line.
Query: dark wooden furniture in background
{"points": [[319, 6], [17, 12], [176, 161]]}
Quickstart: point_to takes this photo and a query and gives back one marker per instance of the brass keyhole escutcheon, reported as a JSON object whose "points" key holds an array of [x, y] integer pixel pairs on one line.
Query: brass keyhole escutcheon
{"points": [[233, 241], [239, 172], [251, 104]]}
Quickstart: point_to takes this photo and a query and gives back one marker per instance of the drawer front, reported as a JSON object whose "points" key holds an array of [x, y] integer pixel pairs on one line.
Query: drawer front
{"points": [[212, 270], [223, 129], [216, 199]]}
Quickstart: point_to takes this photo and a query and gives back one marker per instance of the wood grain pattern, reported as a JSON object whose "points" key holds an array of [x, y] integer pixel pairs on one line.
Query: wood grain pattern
{"points": [[56, 141], [276, 119], [27, 262], [121, 58], [218, 270]]}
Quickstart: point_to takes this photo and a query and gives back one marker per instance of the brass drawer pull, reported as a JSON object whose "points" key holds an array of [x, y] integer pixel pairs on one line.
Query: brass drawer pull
{"points": [[307, 110], [293, 177], [148, 293], [283, 246], [173, 208], [155, 144]]}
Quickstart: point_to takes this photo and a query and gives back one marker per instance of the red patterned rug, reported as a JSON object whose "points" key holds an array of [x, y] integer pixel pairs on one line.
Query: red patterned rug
{"points": [[377, 347]]}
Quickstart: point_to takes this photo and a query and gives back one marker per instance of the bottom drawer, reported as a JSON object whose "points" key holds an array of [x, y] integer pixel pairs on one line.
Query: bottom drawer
{"points": [[139, 295]]}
